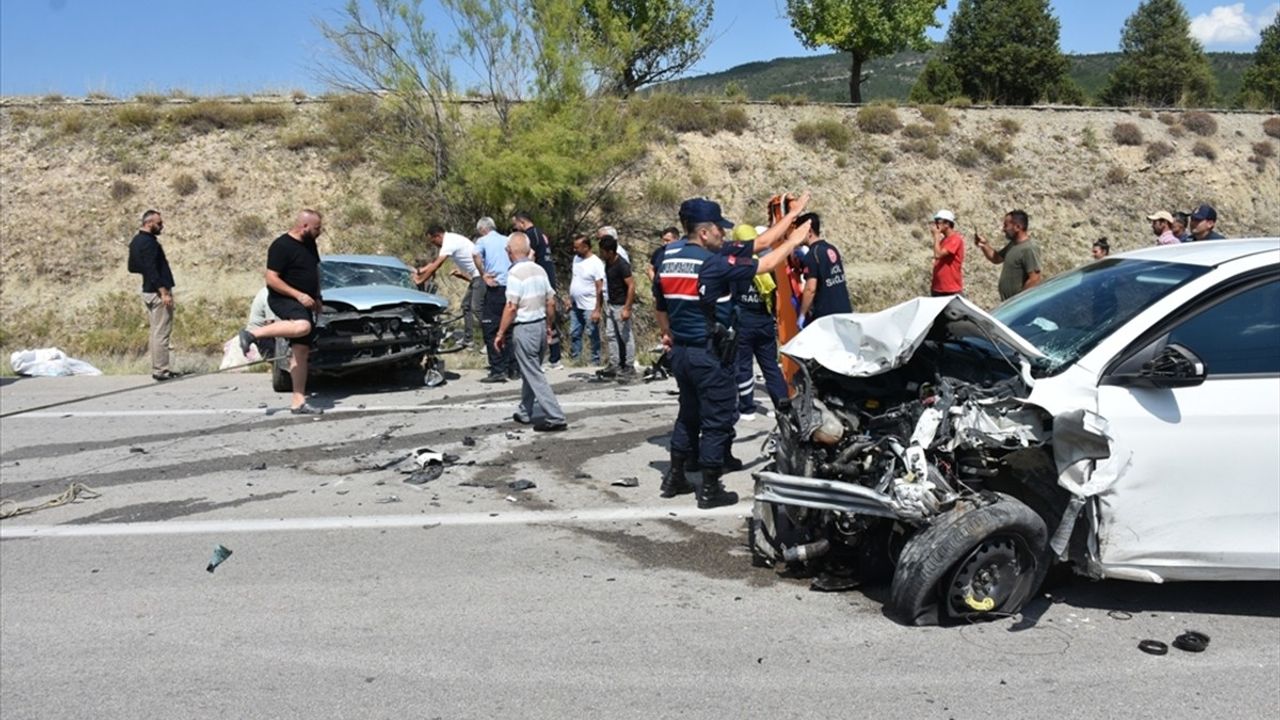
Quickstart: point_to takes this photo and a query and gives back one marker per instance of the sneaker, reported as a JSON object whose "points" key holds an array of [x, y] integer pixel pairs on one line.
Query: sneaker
{"points": [[607, 373], [493, 379], [748, 416], [522, 419], [554, 366], [551, 427], [165, 375], [306, 409]]}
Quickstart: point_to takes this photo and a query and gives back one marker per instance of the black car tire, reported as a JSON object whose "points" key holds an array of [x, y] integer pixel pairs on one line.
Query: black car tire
{"points": [[1001, 547], [281, 380]]}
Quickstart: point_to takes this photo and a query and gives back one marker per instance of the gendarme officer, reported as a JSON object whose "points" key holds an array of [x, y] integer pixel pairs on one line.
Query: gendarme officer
{"points": [[692, 294]]}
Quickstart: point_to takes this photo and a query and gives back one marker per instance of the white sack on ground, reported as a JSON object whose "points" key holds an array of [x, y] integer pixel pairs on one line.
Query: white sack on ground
{"points": [[49, 362]]}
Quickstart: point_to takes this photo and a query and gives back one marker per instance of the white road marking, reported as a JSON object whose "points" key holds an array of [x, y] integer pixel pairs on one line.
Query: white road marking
{"points": [[530, 517], [284, 411]]}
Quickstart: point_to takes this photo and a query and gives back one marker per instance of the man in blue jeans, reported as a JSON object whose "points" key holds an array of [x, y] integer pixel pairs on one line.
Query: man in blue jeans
{"points": [[585, 293]]}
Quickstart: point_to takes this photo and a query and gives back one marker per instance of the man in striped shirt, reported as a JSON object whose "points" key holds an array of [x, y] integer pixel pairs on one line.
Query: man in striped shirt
{"points": [[528, 315]]}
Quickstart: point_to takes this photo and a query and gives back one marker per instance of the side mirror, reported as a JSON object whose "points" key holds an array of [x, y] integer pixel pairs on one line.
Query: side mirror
{"points": [[1174, 366]]}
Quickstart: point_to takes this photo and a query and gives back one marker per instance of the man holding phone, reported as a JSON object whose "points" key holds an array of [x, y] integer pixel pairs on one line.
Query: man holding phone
{"points": [[948, 255], [1019, 257]]}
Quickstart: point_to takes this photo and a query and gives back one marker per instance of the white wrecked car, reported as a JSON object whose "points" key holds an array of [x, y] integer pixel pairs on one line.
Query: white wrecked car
{"points": [[1123, 417]]}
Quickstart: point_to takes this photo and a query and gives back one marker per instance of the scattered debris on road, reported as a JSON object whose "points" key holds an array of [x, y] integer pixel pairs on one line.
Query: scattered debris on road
{"points": [[220, 553], [1191, 641], [1153, 647], [626, 482], [519, 485], [75, 491]]}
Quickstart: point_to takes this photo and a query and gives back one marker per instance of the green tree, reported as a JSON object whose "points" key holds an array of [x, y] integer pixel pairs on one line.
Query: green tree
{"points": [[640, 42], [863, 28], [1262, 81], [937, 83], [1006, 51], [1160, 63]]}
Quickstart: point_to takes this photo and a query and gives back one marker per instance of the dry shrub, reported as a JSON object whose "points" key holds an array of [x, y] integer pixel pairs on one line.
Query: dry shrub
{"points": [[121, 189], [917, 131], [303, 139], [1264, 149], [785, 100], [927, 147], [960, 101], [212, 177], [1168, 118], [1204, 150], [249, 227], [72, 122], [1200, 123], [993, 151], [346, 160], [358, 214], [150, 98], [184, 184], [1158, 150], [207, 115], [966, 158], [136, 116], [685, 114], [1126, 134], [1177, 131], [659, 192], [885, 157], [1271, 126], [1116, 176], [830, 132], [735, 120], [52, 98], [1075, 195], [131, 166], [916, 211], [878, 119], [225, 191], [1009, 126], [1001, 173], [1145, 114]]}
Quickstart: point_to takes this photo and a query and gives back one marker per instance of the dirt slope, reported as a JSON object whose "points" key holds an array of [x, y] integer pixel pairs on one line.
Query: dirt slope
{"points": [[63, 236]]}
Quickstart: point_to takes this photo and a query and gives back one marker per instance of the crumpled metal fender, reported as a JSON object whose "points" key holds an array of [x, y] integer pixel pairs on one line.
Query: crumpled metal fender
{"points": [[819, 494]]}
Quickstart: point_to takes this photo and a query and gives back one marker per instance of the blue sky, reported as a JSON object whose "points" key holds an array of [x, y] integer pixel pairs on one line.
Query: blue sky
{"points": [[123, 47]]}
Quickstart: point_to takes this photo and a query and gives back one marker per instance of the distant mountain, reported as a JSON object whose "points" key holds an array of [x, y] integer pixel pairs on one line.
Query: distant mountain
{"points": [[825, 78]]}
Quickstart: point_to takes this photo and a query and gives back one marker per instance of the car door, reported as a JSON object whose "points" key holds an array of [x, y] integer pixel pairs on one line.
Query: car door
{"points": [[1199, 495]]}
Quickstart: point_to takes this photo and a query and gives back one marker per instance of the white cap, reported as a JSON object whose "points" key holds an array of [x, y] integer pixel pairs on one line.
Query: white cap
{"points": [[945, 215]]}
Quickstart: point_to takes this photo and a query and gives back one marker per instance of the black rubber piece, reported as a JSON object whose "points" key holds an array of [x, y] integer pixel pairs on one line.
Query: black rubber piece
{"points": [[1153, 647], [1191, 641]]}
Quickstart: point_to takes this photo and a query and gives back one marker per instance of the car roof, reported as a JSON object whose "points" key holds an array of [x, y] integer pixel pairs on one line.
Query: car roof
{"points": [[1210, 253], [384, 260]]}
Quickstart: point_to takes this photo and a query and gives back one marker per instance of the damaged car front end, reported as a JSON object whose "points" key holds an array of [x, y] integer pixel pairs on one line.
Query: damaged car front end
{"points": [[1121, 417], [902, 418]]}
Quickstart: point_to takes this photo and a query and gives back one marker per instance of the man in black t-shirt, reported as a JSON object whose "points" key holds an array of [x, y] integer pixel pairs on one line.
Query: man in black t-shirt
{"points": [[825, 292], [620, 295], [293, 293], [146, 257]]}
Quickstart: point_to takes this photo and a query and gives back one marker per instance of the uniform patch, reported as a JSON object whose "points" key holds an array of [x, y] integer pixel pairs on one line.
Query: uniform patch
{"points": [[831, 254], [733, 259]]}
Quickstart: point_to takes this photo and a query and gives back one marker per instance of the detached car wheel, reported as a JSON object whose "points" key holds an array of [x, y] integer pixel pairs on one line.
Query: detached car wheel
{"points": [[974, 562]]}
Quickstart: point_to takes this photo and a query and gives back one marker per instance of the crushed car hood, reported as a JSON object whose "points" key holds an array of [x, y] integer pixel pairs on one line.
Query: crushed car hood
{"points": [[865, 344], [368, 297]]}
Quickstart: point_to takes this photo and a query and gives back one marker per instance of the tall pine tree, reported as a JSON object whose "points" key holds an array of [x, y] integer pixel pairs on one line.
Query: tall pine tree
{"points": [[1006, 52], [1160, 64], [1262, 81]]}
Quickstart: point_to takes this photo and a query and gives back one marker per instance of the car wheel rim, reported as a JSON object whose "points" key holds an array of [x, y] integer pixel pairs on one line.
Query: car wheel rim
{"points": [[995, 571]]}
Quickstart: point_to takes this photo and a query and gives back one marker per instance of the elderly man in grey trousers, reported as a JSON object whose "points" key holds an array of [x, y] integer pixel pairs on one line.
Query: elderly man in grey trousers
{"points": [[528, 316]]}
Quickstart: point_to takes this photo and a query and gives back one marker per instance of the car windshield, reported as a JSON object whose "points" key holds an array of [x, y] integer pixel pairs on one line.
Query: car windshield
{"points": [[1068, 315], [334, 274]]}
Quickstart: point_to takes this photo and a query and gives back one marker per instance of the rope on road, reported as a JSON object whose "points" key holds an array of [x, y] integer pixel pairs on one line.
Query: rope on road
{"points": [[118, 391], [74, 491]]}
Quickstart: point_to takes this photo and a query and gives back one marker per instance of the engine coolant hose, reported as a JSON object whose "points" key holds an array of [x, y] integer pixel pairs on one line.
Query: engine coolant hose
{"points": [[803, 553]]}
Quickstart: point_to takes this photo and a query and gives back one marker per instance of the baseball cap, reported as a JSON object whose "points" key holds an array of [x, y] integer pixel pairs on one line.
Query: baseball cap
{"points": [[1205, 212], [945, 215], [1162, 215], [701, 210], [744, 232]]}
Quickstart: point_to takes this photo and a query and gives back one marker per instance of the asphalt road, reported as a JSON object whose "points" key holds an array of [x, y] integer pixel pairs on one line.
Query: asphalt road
{"points": [[350, 593]]}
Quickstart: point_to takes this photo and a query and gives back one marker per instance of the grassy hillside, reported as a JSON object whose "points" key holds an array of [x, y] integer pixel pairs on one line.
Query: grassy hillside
{"points": [[229, 176], [825, 78]]}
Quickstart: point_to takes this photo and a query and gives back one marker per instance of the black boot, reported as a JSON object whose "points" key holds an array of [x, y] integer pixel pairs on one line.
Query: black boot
{"points": [[674, 481], [731, 463], [712, 493]]}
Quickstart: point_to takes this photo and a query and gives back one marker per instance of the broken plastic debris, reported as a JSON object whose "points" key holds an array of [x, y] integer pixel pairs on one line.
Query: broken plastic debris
{"points": [[626, 482], [425, 475], [426, 456], [522, 485], [220, 553], [258, 466], [469, 441], [141, 451], [387, 499]]}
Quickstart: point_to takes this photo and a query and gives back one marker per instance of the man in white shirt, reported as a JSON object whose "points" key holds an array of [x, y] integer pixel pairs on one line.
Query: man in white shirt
{"points": [[527, 315], [462, 251], [585, 291]]}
